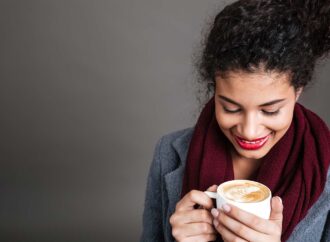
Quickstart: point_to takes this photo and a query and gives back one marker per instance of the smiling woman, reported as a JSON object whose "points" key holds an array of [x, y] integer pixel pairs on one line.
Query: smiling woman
{"points": [[258, 57]]}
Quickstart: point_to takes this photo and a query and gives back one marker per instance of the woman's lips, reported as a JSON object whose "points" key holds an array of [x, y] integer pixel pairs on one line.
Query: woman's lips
{"points": [[251, 144]]}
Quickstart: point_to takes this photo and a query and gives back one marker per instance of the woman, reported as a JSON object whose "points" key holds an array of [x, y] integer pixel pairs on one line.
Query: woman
{"points": [[258, 57]]}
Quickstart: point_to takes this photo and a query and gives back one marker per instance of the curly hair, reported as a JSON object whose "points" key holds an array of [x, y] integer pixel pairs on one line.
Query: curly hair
{"points": [[287, 36]]}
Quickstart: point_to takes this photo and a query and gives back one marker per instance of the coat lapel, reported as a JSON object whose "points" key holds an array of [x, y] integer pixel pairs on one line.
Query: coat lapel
{"points": [[173, 179]]}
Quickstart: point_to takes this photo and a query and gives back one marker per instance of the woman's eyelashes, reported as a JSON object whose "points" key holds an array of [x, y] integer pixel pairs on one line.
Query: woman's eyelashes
{"points": [[270, 113], [227, 110], [265, 112]]}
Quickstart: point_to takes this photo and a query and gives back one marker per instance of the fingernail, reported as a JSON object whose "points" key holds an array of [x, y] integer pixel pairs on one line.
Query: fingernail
{"points": [[214, 212], [226, 208], [215, 222], [280, 199]]}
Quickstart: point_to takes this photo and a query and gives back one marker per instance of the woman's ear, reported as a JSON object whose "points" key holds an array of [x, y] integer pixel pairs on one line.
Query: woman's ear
{"points": [[298, 92]]}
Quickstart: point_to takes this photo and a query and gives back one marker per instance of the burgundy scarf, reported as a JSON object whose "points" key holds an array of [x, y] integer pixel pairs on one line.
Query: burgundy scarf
{"points": [[294, 169]]}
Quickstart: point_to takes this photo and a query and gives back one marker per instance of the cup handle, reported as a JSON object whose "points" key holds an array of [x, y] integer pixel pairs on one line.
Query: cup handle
{"points": [[211, 194]]}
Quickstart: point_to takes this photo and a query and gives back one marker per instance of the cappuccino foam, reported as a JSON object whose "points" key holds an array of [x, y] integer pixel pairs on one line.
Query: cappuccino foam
{"points": [[245, 192]]}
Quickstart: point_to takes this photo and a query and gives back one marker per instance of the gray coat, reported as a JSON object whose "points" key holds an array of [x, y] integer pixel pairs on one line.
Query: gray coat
{"points": [[164, 189]]}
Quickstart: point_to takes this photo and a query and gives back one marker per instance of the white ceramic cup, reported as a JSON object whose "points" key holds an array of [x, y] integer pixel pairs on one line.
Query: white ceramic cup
{"points": [[245, 199]]}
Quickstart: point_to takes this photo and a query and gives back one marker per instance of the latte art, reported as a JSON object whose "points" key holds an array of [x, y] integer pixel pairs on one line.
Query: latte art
{"points": [[245, 192]]}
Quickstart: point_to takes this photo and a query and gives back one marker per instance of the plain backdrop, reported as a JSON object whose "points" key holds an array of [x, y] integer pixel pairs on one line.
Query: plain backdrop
{"points": [[86, 90]]}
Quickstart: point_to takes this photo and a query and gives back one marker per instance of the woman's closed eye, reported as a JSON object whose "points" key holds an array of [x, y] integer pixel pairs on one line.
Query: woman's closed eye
{"points": [[237, 110], [231, 110], [270, 113]]}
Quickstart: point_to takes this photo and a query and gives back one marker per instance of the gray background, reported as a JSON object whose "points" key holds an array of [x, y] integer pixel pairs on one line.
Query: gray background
{"points": [[86, 90]]}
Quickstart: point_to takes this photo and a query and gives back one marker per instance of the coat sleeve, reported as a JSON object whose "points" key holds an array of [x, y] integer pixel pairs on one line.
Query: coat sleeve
{"points": [[152, 215]]}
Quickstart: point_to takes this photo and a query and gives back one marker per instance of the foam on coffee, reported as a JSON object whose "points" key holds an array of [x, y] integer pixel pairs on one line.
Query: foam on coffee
{"points": [[245, 192]]}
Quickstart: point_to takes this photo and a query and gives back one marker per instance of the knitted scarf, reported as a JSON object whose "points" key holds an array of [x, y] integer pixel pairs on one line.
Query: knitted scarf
{"points": [[294, 169]]}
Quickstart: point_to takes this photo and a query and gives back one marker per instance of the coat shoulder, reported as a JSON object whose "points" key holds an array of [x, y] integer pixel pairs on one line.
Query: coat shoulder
{"points": [[173, 148], [180, 135]]}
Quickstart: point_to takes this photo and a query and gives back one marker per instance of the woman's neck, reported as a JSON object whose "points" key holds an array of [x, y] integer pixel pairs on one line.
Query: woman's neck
{"points": [[245, 168]]}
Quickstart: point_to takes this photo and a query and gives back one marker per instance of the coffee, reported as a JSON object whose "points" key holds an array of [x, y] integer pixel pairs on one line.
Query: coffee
{"points": [[245, 191]]}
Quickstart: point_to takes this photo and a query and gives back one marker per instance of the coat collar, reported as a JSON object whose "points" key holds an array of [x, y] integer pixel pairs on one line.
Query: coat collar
{"points": [[173, 179]]}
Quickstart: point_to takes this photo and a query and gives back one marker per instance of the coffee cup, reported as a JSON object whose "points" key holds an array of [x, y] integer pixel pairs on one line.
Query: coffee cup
{"points": [[250, 196]]}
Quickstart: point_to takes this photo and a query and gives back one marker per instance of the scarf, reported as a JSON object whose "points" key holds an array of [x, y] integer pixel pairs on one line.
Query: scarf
{"points": [[294, 169]]}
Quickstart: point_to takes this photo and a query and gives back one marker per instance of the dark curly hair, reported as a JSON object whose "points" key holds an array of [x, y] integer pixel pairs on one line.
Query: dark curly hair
{"points": [[287, 36]]}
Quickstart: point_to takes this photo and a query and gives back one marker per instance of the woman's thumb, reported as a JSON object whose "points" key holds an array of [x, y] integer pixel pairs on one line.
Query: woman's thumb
{"points": [[277, 210]]}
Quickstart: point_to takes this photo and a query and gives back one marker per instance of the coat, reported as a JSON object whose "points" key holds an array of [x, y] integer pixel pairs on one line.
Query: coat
{"points": [[164, 190]]}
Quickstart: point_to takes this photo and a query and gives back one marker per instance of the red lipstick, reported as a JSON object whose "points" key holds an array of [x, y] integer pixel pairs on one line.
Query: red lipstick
{"points": [[251, 144]]}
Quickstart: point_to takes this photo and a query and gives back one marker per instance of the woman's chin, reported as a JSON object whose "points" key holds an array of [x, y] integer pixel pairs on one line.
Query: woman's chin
{"points": [[252, 154]]}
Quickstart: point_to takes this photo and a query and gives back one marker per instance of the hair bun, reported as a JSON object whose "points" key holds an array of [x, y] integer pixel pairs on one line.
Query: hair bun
{"points": [[315, 17]]}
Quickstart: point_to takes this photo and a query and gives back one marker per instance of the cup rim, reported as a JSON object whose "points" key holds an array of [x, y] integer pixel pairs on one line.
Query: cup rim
{"points": [[220, 192]]}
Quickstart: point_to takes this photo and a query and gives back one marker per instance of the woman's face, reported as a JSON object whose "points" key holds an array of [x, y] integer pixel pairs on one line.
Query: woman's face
{"points": [[254, 110]]}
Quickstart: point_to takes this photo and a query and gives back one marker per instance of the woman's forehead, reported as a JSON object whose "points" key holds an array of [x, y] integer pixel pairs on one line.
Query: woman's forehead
{"points": [[257, 80]]}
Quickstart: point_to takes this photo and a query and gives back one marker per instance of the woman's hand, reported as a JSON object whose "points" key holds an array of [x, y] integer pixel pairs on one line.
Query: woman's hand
{"points": [[237, 225], [190, 224]]}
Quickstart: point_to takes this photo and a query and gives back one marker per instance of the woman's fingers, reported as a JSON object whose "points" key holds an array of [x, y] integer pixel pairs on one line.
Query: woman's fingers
{"points": [[191, 199], [190, 224], [201, 238], [212, 188], [227, 235], [192, 229], [232, 221], [194, 216], [250, 220], [237, 228]]}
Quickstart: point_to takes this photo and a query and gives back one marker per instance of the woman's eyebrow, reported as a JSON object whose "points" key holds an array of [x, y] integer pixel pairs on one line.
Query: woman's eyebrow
{"points": [[261, 105], [272, 102], [229, 100]]}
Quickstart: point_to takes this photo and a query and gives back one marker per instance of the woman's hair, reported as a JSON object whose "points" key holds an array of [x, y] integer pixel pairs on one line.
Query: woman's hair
{"points": [[286, 36]]}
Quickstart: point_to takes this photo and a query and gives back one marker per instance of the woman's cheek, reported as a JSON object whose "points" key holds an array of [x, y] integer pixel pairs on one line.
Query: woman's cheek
{"points": [[281, 122], [226, 121]]}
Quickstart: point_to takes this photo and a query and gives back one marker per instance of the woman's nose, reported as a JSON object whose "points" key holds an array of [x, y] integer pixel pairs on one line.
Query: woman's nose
{"points": [[249, 127]]}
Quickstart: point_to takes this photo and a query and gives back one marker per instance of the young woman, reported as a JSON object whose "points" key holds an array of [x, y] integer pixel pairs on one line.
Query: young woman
{"points": [[258, 57]]}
